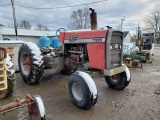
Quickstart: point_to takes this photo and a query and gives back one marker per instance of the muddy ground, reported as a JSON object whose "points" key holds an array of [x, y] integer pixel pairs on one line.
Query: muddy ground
{"points": [[139, 101]]}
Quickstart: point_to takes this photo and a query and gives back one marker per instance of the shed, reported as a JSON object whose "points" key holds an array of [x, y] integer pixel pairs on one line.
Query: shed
{"points": [[27, 35]]}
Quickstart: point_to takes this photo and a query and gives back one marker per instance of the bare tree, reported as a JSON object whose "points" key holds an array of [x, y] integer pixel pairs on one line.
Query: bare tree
{"points": [[153, 23], [12, 26], [46, 28], [25, 24], [39, 26], [80, 19]]}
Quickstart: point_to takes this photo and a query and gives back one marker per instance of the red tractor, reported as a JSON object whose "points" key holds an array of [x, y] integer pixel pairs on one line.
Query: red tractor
{"points": [[81, 50]]}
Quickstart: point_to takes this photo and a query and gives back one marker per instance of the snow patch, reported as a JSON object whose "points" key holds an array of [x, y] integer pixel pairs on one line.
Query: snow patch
{"points": [[90, 83], [9, 65], [37, 53], [38, 63], [128, 48], [38, 57], [127, 73], [8, 61], [40, 106]]}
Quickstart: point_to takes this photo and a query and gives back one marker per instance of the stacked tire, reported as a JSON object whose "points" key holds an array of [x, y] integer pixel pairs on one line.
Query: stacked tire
{"points": [[11, 77]]}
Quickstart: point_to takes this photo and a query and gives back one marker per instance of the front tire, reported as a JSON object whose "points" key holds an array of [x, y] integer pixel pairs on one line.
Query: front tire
{"points": [[31, 63], [82, 90], [118, 81]]}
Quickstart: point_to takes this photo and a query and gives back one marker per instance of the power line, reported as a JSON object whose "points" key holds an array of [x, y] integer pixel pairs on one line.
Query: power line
{"points": [[4, 5], [63, 6]]}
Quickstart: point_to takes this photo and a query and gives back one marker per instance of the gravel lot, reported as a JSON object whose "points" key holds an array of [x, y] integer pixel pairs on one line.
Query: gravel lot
{"points": [[139, 101]]}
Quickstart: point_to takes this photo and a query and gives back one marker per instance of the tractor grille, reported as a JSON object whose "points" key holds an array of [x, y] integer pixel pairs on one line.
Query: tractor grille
{"points": [[116, 49]]}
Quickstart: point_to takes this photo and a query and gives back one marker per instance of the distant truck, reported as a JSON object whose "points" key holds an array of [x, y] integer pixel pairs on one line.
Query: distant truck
{"points": [[148, 39]]}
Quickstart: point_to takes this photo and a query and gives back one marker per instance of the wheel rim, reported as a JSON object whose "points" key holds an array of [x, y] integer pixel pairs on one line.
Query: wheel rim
{"points": [[25, 63], [77, 91], [116, 78]]}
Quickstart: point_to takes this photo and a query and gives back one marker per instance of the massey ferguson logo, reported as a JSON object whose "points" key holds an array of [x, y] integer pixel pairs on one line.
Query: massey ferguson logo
{"points": [[73, 38]]}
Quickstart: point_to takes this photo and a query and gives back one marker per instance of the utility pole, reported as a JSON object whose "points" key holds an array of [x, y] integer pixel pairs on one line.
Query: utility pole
{"points": [[122, 21], [136, 32], [14, 17], [139, 37], [158, 34]]}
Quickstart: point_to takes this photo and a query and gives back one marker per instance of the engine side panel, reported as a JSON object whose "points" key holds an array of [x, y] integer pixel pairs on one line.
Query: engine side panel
{"points": [[96, 54]]}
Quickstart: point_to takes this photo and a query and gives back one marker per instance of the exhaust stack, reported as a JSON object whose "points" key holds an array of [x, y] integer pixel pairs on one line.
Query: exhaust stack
{"points": [[93, 18]]}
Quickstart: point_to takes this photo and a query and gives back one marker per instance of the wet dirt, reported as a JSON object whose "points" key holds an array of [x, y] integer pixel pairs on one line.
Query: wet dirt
{"points": [[139, 101]]}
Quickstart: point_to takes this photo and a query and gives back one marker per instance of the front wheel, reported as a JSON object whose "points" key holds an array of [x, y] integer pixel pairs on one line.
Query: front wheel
{"points": [[82, 90], [118, 81]]}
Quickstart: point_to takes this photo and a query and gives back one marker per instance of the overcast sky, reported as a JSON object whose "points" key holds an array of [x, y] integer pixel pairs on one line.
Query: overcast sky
{"points": [[108, 12]]}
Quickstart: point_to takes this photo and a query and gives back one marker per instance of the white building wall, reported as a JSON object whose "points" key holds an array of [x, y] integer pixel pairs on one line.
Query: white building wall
{"points": [[127, 38], [1, 36], [34, 39]]}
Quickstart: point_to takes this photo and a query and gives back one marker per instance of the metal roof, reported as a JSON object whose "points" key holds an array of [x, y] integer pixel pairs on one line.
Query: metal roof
{"points": [[12, 42], [26, 32]]}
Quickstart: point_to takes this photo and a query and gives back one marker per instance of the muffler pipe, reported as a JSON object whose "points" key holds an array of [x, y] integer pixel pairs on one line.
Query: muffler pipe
{"points": [[93, 18]]}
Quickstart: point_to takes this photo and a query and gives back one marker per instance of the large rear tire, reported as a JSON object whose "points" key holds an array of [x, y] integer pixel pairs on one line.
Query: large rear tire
{"points": [[82, 90], [31, 63], [118, 81], [11, 77]]}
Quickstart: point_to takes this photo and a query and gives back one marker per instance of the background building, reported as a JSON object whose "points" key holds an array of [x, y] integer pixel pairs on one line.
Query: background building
{"points": [[127, 37], [27, 35]]}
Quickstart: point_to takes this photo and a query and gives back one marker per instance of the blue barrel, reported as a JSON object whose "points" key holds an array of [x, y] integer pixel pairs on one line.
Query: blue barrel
{"points": [[44, 41], [55, 42]]}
